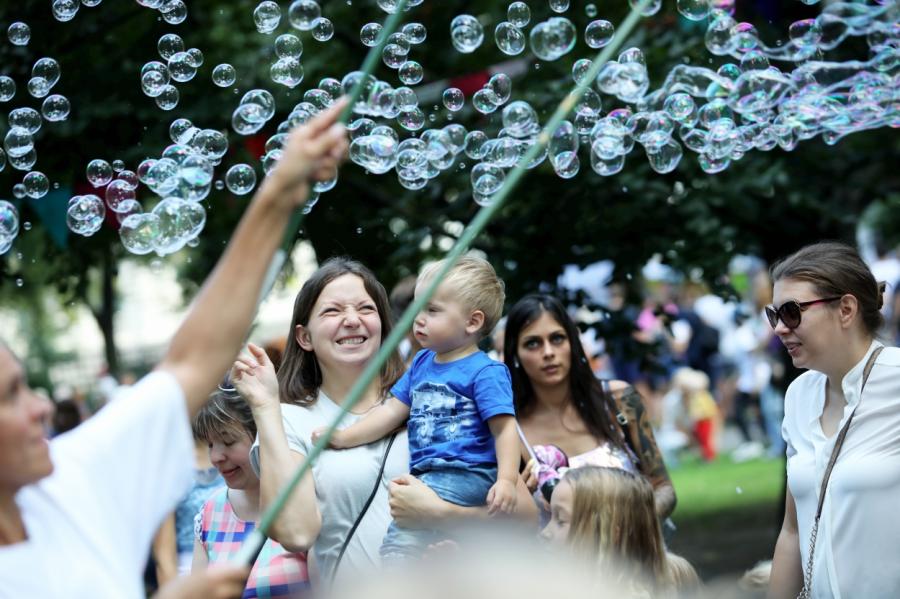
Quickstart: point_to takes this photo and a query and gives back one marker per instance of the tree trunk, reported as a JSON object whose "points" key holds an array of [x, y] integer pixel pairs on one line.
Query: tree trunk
{"points": [[105, 312]]}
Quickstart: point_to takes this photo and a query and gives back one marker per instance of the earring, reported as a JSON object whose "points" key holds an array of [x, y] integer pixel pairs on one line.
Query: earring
{"points": [[516, 363]]}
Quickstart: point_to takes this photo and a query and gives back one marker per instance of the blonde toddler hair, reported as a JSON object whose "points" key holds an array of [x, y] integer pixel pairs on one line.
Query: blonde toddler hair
{"points": [[475, 284]]}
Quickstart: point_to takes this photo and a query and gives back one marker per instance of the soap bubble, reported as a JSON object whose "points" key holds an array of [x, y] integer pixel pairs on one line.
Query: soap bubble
{"points": [[180, 67], [580, 69], [139, 232], [518, 14], [55, 108], [224, 75], [376, 153], [267, 16], [695, 10], [9, 225], [154, 78], [501, 85], [173, 12], [46, 68], [64, 10], [553, 38], [485, 101], [19, 33], [36, 184], [27, 118], [520, 119], [510, 39], [486, 179], [2, 160], [38, 87], [466, 33], [18, 191], [99, 172], [414, 32], [169, 45], [369, 33], [590, 11], [303, 14], [288, 45], [117, 192], [412, 120], [323, 29], [681, 107], [663, 159], [475, 144], [410, 72], [453, 98], [599, 33], [7, 88], [559, 5], [195, 57], [168, 98], [85, 214], [287, 71]]}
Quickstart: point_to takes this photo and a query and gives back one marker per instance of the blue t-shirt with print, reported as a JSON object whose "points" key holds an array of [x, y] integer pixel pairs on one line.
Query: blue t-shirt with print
{"points": [[450, 404]]}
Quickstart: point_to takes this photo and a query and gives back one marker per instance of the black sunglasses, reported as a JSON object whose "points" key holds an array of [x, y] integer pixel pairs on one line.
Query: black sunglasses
{"points": [[790, 312]]}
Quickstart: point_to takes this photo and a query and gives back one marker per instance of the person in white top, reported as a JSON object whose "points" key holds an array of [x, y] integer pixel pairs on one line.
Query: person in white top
{"points": [[826, 312], [77, 514]]}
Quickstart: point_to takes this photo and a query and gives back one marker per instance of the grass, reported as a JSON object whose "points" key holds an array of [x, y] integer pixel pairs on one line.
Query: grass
{"points": [[722, 485], [727, 514]]}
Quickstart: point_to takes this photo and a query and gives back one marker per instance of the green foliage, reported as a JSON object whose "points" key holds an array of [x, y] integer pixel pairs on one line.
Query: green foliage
{"points": [[768, 203]]}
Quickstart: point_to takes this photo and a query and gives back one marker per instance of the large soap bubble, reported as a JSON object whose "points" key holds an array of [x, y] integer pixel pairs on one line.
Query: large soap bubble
{"points": [[466, 33]]}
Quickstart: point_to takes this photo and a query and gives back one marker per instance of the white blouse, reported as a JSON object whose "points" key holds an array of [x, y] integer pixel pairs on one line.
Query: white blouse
{"points": [[858, 547]]}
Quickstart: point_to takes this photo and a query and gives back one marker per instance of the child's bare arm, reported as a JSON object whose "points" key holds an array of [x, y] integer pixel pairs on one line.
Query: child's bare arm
{"points": [[502, 496], [377, 424]]}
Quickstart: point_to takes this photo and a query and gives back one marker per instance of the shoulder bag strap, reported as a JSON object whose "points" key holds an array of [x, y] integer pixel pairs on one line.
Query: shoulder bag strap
{"points": [[838, 443], [365, 508]]}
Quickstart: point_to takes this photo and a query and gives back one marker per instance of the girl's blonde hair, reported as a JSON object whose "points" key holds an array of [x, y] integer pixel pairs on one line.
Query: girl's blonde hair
{"points": [[614, 525]]}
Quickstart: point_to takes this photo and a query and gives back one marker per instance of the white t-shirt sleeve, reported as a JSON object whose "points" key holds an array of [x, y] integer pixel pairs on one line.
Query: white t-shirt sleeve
{"points": [[298, 430], [133, 460]]}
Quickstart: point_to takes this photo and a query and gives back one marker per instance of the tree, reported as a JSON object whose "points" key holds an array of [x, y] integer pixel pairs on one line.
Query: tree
{"points": [[768, 203]]}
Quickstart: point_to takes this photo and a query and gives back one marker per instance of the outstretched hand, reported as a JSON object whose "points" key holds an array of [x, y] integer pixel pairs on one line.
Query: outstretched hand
{"points": [[502, 497], [312, 151], [253, 375]]}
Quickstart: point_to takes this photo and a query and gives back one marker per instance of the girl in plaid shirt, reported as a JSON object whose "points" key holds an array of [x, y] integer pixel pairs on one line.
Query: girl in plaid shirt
{"points": [[230, 514]]}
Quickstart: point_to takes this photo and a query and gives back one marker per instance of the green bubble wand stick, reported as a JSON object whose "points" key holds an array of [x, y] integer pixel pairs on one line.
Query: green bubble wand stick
{"points": [[482, 218], [254, 542]]}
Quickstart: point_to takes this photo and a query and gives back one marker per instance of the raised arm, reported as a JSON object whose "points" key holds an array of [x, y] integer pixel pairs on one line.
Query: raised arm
{"points": [[378, 424], [298, 524], [208, 340]]}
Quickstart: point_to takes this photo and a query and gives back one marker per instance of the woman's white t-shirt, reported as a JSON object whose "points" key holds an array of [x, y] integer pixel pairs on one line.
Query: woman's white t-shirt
{"points": [[115, 477], [858, 546], [344, 480]]}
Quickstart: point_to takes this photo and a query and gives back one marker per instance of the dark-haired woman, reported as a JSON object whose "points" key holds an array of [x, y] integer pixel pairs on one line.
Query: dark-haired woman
{"points": [[559, 402], [826, 313]]}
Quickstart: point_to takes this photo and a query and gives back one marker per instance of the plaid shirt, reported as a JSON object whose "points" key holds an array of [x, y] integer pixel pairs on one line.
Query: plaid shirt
{"points": [[276, 573]]}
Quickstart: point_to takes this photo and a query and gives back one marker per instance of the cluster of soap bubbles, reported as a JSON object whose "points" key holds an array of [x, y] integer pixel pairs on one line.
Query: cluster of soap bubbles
{"points": [[719, 114], [180, 67]]}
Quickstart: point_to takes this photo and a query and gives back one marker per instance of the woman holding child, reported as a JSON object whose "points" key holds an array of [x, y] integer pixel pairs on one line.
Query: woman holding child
{"points": [[340, 510]]}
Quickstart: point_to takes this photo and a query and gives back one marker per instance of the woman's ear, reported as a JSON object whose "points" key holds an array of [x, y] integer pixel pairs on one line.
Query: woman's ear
{"points": [[848, 309], [301, 334], [475, 322]]}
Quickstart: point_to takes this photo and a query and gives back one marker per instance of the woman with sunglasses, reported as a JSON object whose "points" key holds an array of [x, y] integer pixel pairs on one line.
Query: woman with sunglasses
{"points": [[840, 536]]}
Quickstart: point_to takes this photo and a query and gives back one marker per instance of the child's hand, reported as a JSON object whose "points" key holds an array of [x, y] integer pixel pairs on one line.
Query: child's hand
{"points": [[502, 497], [530, 475], [335, 442]]}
